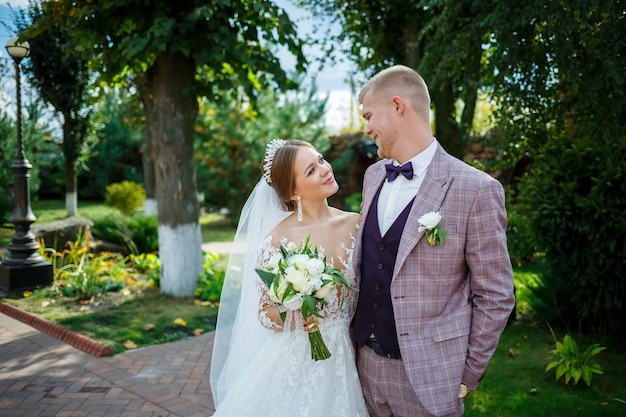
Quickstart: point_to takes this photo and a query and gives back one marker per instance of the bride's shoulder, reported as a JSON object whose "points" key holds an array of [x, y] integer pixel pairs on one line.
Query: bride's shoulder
{"points": [[346, 216], [347, 219]]}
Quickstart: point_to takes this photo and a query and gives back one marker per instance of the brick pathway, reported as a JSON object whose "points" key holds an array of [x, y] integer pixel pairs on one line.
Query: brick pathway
{"points": [[41, 376]]}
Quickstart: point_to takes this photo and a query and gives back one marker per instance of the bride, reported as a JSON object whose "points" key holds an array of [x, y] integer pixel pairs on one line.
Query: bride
{"points": [[261, 365]]}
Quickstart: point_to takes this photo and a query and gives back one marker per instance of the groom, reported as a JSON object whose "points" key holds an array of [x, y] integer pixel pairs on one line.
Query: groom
{"points": [[435, 294]]}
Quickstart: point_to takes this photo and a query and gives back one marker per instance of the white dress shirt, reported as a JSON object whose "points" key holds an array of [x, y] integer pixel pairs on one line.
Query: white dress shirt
{"points": [[395, 195]]}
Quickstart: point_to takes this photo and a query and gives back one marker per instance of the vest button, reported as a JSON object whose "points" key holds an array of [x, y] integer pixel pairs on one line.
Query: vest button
{"points": [[381, 246], [375, 305], [377, 286], [380, 266], [373, 325]]}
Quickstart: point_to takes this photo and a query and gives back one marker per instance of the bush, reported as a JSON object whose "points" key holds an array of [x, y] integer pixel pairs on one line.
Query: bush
{"points": [[211, 280], [144, 233], [126, 196], [576, 199], [353, 202], [139, 232], [519, 235]]}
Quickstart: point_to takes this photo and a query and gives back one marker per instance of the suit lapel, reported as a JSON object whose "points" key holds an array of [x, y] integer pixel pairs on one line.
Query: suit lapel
{"points": [[429, 198]]}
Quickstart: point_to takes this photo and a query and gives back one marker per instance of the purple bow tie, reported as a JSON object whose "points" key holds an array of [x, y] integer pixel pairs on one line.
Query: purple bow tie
{"points": [[393, 171]]}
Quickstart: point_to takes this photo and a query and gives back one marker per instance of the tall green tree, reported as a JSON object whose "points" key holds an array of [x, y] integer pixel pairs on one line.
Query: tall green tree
{"points": [[190, 48], [61, 76], [560, 84]]}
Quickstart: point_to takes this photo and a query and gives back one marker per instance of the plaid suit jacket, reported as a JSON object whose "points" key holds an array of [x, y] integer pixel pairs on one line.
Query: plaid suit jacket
{"points": [[451, 302]]}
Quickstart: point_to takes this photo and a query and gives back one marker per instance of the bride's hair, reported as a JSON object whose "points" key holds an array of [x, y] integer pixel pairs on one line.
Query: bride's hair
{"points": [[282, 177]]}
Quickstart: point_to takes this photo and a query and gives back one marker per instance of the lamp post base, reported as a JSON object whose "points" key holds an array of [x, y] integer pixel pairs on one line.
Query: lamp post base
{"points": [[16, 278]]}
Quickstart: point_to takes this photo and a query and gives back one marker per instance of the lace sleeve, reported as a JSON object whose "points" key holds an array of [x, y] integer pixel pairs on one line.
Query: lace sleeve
{"points": [[266, 305], [269, 311]]}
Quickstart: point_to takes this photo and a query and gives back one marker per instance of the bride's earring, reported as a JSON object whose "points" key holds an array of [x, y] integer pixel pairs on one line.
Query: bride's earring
{"points": [[299, 210]]}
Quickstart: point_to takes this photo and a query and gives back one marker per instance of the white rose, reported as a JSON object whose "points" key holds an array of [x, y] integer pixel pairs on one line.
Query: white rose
{"points": [[272, 264], [325, 291], [294, 302], [315, 266], [429, 221], [291, 247], [299, 261], [313, 284], [296, 277]]}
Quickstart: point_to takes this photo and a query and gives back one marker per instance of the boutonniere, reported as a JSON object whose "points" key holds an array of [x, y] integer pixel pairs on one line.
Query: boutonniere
{"points": [[429, 223]]}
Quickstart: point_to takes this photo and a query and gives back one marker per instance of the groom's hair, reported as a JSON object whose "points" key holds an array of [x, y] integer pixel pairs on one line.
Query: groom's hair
{"points": [[399, 80], [282, 175]]}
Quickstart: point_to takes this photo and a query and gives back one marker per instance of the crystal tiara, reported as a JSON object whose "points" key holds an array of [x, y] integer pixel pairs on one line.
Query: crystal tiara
{"points": [[270, 152]]}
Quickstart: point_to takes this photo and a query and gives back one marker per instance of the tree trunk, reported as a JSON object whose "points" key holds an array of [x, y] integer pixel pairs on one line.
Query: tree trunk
{"points": [[145, 83], [71, 196], [410, 39], [171, 121], [71, 131], [446, 127], [472, 76]]}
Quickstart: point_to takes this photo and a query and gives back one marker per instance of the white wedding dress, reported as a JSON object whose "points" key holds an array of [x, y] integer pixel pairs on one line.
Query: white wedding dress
{"points": [[282, 380]]}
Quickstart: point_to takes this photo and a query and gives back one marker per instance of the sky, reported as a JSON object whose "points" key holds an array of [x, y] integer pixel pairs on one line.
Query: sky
{"points": [[331, 80]]}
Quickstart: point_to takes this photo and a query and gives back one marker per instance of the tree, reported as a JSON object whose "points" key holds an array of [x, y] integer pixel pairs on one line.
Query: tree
{"points": [[190, 48], [560, 84], [442, 40], [61, 77]]}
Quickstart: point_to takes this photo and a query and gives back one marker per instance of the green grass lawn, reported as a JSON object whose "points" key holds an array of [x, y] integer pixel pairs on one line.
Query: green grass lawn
{"points": [[516, 384]]}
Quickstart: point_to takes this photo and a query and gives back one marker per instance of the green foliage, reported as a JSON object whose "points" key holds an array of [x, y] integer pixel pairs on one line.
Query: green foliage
{"points": [[117, 155], [556, 66], [231, 140], [234, 51], [353, 202], [79, 273], [211, 280], [144, 232], [61, 77], [148, 264], [126, 196], [139, 233], [35, 138], [570, 365], [90, 277], [575, 198], [443, 40], [520, 236], [7, 146]]}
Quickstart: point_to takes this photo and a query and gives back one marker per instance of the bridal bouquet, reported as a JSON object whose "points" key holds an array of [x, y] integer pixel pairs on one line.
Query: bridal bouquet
{"points": [[299, 278]]}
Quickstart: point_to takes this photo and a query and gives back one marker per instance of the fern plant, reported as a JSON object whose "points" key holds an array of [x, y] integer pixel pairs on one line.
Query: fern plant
{"points": [[570, 365]]}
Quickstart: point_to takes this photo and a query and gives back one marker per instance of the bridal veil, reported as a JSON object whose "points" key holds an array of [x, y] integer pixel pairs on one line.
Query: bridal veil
{"points": [[239, 334]]}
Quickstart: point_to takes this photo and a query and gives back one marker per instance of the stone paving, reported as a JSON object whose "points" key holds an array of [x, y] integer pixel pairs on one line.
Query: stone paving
{"points": [[41, 375], [47, 371]]}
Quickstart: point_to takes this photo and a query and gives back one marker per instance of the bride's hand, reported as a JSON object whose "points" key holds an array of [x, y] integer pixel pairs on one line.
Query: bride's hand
{"points": [[309, 324], [270, 318]]}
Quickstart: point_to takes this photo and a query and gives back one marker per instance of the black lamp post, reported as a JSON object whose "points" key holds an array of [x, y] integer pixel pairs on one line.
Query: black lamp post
{"points": [[24, 268]]}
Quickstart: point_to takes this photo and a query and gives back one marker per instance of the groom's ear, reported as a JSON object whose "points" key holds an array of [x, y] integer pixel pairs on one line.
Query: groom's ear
{"points": [[398, 103]]}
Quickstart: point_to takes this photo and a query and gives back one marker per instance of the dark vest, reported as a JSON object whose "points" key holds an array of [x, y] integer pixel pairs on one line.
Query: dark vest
{"points": [[374, 311]]}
